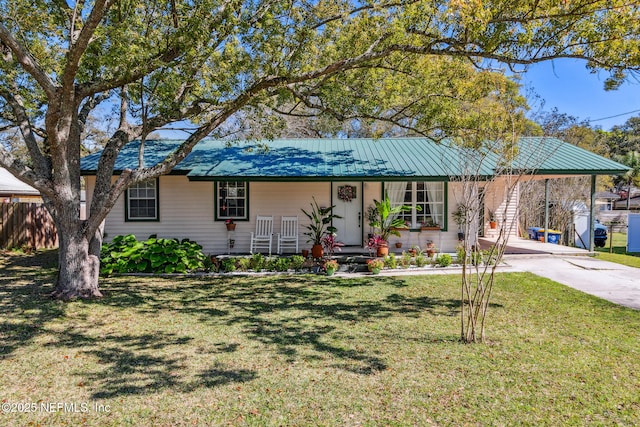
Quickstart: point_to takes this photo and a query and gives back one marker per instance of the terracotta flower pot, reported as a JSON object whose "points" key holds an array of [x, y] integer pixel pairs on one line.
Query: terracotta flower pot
{"points": [[382, 251], [317, 251], [231, 227], [305, 253], [493, 225]]}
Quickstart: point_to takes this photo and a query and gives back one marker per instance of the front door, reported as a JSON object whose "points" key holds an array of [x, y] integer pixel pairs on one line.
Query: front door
{"points": [[347, 198]]}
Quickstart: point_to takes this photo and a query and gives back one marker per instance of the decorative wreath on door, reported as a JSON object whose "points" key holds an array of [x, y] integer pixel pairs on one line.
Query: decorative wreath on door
{"points": [[346, 193]]}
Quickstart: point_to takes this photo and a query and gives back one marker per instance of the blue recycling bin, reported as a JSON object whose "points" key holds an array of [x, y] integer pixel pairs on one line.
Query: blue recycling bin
{"points": [[553, 236], [534, 232], [537, 233]]}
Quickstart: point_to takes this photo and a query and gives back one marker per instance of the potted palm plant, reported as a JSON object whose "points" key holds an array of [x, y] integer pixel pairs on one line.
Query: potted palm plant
{"points": [[320, 224], [386, 221], [460, 217]]}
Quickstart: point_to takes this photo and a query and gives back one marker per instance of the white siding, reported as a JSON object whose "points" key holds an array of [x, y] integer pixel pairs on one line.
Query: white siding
{"points": [[281, 199], [371, 191], [187, 211]]}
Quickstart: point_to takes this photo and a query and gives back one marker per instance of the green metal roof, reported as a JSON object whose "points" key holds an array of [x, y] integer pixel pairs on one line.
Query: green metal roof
{"points": [[363, 159]]}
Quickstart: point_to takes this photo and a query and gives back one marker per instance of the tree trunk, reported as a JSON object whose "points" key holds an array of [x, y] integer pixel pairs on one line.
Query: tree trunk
{"points": [[79, 264]]}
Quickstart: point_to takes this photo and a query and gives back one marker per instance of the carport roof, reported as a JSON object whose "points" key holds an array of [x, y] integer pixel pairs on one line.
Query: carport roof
{"points": [[363, 159]]}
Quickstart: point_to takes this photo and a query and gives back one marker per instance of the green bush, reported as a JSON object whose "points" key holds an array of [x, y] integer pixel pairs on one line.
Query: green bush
{"points": [[390, 261], [278, 264], [460, 254], [125, 254], [421, 260], [444, 260], [257, 262], [243, 263], [228, 265], [405, 260], [296, 262]]}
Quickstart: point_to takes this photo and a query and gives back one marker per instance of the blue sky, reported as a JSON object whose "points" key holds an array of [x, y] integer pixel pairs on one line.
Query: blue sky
{"points": [[568, 85]]}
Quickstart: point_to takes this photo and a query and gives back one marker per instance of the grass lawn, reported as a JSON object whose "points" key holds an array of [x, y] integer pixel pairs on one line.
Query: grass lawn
{"points": [[619, 252], [311, 350]]}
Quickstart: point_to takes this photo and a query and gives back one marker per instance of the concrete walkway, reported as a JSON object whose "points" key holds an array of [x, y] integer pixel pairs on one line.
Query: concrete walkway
{"points": [[614, 282]]}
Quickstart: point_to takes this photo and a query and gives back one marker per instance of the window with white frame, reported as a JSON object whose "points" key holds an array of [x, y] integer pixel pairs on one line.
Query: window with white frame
{"points": [[142, 201], [426, 198], [232, 198]]}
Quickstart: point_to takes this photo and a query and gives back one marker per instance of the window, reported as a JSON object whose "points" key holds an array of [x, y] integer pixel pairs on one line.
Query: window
{"points": [[428, 196], [142, 201], [232, 197]]}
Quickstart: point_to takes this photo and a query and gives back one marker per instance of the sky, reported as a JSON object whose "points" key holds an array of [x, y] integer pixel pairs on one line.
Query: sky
{"points": [[569, 86]]}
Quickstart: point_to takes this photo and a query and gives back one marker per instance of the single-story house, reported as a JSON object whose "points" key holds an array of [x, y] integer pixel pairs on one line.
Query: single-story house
{"points": [[12, 190], [634, 200], [605, 200], [219, 181]]}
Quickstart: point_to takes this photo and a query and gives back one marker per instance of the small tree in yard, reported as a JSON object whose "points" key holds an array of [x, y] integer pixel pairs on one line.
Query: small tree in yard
{"points": [[147, 66], [490, 158]]}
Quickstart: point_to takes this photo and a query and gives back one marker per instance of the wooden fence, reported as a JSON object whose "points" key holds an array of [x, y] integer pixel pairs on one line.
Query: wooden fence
{"points": [[26, 225]]}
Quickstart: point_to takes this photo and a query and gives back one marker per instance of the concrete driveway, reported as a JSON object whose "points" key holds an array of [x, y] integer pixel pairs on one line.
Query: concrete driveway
{"points": [[614, 282]]}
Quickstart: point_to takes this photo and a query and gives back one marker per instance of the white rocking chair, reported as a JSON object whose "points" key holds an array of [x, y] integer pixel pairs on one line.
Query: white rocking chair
{"points": [[261, 238], [288, 236]]}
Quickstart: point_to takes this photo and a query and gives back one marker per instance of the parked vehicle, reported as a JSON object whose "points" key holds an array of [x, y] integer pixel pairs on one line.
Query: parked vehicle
{"points": [[600, 235]]}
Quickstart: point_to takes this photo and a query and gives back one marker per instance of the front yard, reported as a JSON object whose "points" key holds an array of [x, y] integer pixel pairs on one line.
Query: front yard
{"points": [[619, 252], [310, 350]]}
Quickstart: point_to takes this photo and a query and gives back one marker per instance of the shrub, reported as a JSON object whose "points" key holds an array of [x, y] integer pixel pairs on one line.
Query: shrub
{"points": [[444, 260], [490, 256], [125, 254], [460, 254], [257, 262], [421, 260], [296, 262], [211, 264], [228, 265], [243, 263], [390, 261], [280, 264], [405, 260]]}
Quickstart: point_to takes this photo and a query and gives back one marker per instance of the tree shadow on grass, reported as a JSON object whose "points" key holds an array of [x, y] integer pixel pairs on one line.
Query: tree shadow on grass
{"points": [[143, 363], [297, 316], [127, 363], [26, 280]]}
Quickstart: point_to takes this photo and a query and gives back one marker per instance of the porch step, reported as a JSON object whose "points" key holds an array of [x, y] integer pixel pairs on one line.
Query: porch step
{"points": [[353, 263]]}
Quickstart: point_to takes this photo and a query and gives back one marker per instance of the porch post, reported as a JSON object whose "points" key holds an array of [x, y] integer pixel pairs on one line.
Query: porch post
{"points": [[592, 215], [546, 210]]}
